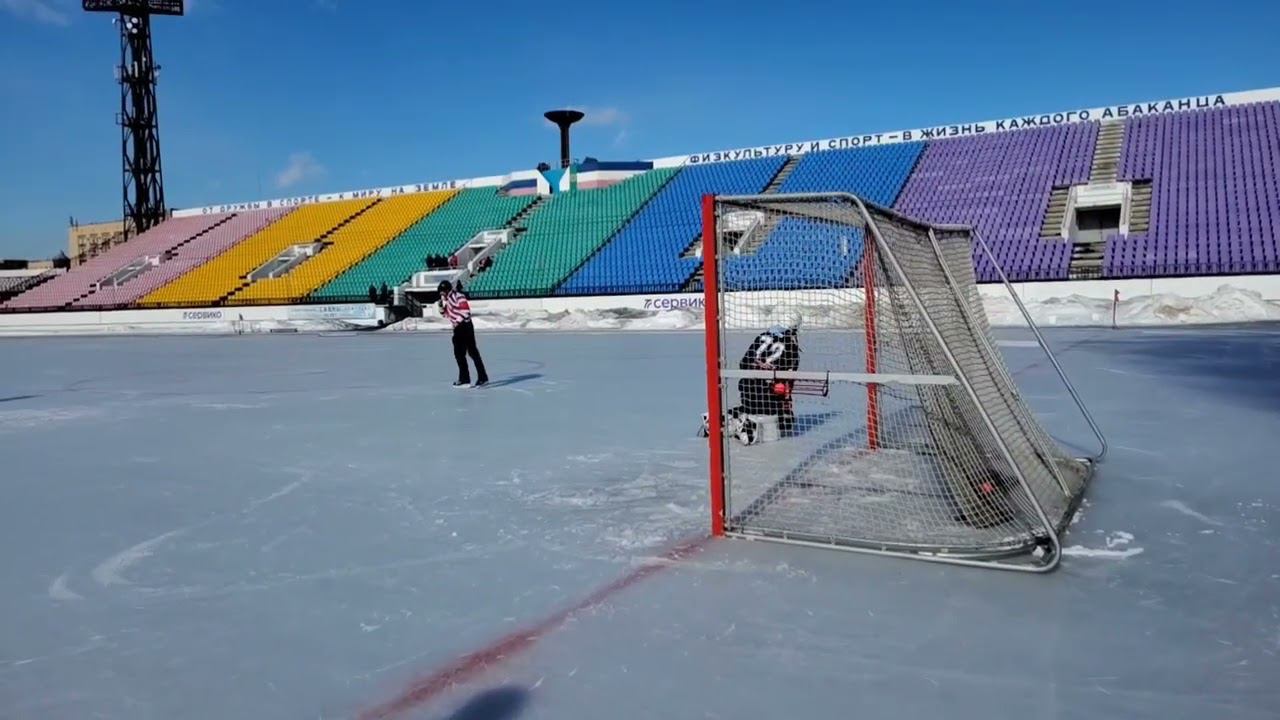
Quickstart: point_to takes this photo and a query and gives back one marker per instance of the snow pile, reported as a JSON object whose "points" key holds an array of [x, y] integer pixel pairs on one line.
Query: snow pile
{"points": [[608, 319], [248, 327], [1070, 311], [233, 327], [1227, 304], [1116, 549], [254, 327]]}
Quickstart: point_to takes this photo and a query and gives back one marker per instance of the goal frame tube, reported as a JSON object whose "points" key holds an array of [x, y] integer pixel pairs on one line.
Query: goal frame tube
{"points": [[1004, 280], [978, 560], [1044, 346], [711, 331], [869, 341], [882, 245], [858, 378], [1050, 528], [980, 556], [986, 343]]}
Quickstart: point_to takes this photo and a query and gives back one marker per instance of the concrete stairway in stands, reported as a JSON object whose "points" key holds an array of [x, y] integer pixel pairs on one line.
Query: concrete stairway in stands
{"points": [[1051, 227], [757, 237], [1106, 152], [1088, 256]]}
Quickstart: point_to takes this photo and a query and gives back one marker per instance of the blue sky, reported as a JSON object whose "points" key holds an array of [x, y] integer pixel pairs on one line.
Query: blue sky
{"points": [[270, 98]]}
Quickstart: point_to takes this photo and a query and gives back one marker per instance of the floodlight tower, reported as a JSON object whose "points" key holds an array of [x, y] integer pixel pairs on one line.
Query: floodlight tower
{"points": [[563, 119], [139, 126]]}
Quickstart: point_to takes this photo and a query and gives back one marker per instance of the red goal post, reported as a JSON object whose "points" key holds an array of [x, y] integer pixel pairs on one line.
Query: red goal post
{"points": [[918, 443]]}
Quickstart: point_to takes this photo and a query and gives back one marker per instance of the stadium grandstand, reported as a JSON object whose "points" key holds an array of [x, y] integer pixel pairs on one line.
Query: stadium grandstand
{"points": [[19, 276], [1174, 188]]}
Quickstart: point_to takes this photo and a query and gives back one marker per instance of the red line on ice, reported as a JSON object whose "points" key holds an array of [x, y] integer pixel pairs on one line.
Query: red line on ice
{"points": [[473, 664]]}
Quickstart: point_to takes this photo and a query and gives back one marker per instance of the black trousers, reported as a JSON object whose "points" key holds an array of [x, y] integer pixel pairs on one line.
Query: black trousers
{"points": [[758, 398], [464, 344]]}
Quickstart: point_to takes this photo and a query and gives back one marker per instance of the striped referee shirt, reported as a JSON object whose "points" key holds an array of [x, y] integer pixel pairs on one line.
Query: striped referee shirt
{"points": [[455, 308]]}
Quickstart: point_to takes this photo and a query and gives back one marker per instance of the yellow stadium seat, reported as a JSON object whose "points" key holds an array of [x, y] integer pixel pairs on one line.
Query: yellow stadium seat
{"points": [[228, 272], [343, 248]]}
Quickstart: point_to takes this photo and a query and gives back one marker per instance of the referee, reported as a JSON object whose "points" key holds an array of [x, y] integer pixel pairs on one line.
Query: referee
{"points": [[456, 309]]}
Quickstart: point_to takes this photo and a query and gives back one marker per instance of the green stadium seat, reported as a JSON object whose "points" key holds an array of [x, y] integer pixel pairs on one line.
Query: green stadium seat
{"points": [[564, 233]]}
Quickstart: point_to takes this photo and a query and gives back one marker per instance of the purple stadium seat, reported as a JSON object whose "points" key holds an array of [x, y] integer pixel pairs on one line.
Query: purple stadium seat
{"points": [[1215, 204], [1001, 185]]}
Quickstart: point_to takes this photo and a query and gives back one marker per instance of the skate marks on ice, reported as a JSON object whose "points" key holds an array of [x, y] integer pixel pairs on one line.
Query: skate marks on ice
{"points": [[1254, 517], [94, 642], [1140, 451], [1181, 507], [20, 420], [112, 572], [59, 591], [123, 575], [15, 398], [611, 504], [1118, 544]]}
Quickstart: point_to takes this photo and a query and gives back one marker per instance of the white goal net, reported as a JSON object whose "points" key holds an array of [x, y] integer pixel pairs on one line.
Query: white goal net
{"points": [[861, 398]]}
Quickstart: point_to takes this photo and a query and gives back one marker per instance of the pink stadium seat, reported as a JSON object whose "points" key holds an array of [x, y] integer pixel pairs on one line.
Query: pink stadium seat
{"points": [[80, 281], [182, 258]]}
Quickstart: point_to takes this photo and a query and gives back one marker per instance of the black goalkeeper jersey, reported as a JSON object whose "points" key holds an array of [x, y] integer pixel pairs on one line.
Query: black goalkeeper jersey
{"points": [[772, 351]]}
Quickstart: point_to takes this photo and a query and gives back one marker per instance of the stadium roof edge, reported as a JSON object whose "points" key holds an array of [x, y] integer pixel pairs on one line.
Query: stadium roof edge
{"points": [[1111, 112]]}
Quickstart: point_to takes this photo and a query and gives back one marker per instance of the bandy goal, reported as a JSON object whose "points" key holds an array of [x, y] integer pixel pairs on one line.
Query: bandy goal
{"points": [[856, 398]]}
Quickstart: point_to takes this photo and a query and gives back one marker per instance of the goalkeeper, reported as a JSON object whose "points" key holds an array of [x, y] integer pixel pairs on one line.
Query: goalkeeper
{"points": [[776, 349]]}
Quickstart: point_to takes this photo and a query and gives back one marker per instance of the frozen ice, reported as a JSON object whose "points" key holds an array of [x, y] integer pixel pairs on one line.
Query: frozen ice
{"points": [[308, 525]]}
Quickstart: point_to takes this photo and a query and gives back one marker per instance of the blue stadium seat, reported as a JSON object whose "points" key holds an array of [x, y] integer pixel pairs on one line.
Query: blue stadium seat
{"points": [[800, 254], [874, 173], [645, 255]]}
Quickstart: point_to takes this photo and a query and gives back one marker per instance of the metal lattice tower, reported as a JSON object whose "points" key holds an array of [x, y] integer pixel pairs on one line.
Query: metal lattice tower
{"points": [[143, 182]]}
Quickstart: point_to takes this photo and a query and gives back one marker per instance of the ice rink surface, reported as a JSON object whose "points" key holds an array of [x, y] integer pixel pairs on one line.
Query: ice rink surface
{"points": [[312, 526]]}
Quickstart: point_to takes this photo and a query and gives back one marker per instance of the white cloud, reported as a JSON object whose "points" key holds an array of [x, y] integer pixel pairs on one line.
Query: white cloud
{"points": [[192, 7], [302, 166], [614, 119], [604, 116], [40, 11], [597, 116]]}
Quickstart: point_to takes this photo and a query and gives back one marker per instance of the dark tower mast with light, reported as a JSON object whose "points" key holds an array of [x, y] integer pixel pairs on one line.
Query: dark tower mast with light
{"points": [[563, 119], [144, 205]]}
